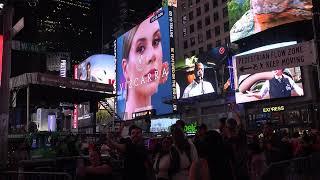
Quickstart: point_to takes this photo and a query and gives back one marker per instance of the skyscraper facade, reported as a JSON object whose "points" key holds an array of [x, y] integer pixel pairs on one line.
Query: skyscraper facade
{"points": [[201, 25]]}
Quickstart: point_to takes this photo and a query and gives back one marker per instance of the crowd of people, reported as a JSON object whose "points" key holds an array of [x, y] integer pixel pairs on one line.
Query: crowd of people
{"points": [[224, 153]]}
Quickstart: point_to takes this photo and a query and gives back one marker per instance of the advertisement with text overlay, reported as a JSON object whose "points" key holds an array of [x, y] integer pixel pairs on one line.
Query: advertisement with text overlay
{"points": [[144, 66], [248, 17]]}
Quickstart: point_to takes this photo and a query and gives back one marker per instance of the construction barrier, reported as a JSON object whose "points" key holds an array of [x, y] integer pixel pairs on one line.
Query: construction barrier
{"points": [[304, 168]]}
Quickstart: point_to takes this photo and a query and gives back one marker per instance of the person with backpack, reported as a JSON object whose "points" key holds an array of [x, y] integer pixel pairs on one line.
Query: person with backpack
{"points": [[182, 154]]}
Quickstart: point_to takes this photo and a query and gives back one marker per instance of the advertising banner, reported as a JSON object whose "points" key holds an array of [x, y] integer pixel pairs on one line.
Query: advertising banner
{"points": [[248, 17], [98, 68], [144, 60], [300, 54]]}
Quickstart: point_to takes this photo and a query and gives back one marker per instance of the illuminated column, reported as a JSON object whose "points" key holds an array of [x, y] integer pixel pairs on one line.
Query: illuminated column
{"points": [[4, 89]]}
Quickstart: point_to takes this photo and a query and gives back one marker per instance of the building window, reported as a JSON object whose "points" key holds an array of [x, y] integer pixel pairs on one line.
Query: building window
{"points": [[191, 28], [215, 3], [184, 19], [190, 3], [218, 43], [184, 31], [225, 12], [190, 15], [193, 53], [226, 26], [227, 40], [217, 30], [198, 11], [192, 41], [215, 16], [207, 20], [208, 34], [209, 47], [199, 24], [200, 38], [197, 1], [200, 50], [185, 44], [184, 7], [206, 7]]}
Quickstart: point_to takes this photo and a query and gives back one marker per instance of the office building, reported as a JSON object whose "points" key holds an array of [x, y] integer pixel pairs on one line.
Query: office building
{"points": [[201, 25]]}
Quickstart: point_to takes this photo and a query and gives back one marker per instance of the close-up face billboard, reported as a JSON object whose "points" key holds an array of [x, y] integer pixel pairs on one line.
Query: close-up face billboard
{"points": [[143, 66], [248, 17]]}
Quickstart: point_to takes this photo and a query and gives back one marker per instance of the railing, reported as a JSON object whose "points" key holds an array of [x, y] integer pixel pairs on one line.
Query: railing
{"points": [[305, 168], [16, 175]]}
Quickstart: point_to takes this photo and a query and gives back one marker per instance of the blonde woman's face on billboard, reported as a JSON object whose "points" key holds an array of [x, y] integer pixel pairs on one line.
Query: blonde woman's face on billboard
{"points": [[145, 58]]}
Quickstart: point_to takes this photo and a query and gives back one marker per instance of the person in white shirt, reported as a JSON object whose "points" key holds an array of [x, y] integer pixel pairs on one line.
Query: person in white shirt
{"points": [[198, 85], [279, 86]]}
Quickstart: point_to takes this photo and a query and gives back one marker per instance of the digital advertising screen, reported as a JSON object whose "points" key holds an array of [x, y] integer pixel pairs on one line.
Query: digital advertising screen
{"points": [[144, 63], [199, 75], [279, 83], [98, 68], [162, 124], [248, 17]]}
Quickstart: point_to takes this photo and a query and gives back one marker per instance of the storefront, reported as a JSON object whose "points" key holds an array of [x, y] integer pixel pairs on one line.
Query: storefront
{"points": [[293, 117]]}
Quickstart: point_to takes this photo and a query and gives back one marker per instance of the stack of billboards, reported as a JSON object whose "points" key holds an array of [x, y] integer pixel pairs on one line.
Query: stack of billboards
{"points": [[98, 68], [148, 73]]}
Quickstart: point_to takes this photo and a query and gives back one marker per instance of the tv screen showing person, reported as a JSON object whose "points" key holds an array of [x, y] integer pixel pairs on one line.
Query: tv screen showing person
{"points": [[143, 70], [198, 85]]}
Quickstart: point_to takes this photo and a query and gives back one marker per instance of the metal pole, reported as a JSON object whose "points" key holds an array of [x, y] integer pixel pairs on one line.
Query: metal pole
{"points": [[316, 33], [316, 36], [28, 107]]}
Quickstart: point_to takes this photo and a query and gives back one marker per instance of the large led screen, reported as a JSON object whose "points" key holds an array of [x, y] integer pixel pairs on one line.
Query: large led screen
{"points": [[198, 75], [98, 68], [247, 17], [279, 83], [144, 66]]}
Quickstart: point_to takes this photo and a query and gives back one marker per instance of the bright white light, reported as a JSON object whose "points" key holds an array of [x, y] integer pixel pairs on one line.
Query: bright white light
{"points": [[268, 47], [1, 5]]}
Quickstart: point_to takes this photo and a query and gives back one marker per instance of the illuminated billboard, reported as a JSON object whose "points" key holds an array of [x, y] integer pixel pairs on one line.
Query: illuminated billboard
{"points": [[248, 17], [144, 63], [198, 75], [98, 68], [277, 83]]}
